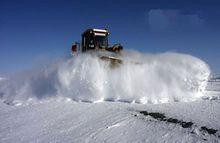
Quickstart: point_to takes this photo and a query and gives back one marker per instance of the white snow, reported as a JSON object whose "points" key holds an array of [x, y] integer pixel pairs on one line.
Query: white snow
{"points": [[53, 120], [159, 78], [45, 105]]}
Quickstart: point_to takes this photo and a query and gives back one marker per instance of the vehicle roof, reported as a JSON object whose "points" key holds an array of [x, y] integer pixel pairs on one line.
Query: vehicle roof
{"points": [[95, 31]]}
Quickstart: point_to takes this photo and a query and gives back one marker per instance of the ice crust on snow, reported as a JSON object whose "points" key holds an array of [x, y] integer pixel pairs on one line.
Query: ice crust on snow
{"points": [[159, 78]]}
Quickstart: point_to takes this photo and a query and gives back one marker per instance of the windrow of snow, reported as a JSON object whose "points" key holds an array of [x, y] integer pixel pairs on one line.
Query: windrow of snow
{"points": [[157, 78]]}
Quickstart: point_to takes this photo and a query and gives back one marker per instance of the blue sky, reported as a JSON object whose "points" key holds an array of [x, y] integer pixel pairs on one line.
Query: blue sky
{"points": [[34, 29]]}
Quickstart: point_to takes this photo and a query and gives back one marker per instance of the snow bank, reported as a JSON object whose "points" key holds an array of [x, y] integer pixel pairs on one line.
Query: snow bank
{"points": [[159, 78]]}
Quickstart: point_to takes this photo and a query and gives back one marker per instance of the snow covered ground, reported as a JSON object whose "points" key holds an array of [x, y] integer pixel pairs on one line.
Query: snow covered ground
{"points": [[163, 102], [63, 120]]}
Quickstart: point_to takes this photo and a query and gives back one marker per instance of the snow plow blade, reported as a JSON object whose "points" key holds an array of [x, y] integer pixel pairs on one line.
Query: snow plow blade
{"points": [[114, 62]]}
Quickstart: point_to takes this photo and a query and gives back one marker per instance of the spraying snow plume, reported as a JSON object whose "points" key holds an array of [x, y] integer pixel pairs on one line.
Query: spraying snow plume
{"points": [[159, 78]]}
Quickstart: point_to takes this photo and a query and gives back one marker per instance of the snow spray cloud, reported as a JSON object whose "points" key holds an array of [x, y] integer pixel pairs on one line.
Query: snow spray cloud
{"points": [[158, 78]]}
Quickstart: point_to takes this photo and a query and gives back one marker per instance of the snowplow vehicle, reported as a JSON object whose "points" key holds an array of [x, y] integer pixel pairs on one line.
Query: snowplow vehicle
{"points": [[96, 41]]}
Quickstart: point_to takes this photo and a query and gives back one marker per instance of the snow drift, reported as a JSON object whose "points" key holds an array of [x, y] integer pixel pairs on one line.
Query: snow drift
{"points": [[160, 78]]}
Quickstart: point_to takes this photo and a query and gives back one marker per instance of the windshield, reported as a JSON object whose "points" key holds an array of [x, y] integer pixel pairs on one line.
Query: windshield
{"points": [[101, 41]]}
